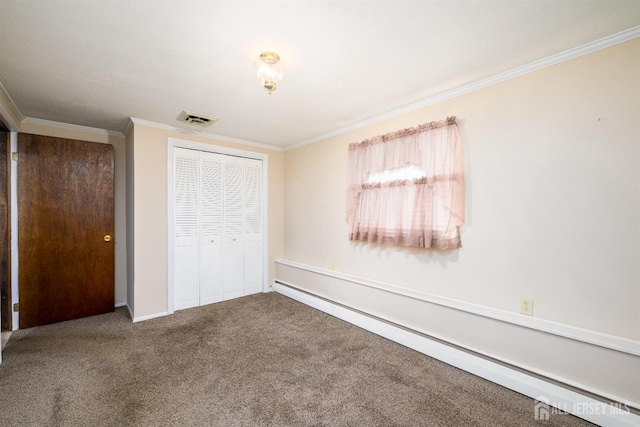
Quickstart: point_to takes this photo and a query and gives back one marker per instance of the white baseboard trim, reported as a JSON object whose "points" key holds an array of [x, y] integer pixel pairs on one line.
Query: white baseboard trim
{"points": [[547, 395], [147, 317], [120, 304]]}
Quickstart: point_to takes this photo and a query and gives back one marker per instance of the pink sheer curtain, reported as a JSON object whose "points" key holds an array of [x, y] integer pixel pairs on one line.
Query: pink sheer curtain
{"points": [[426, 212]]}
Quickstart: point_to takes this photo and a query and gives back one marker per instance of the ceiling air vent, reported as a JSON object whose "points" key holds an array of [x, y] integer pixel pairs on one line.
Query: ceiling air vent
{"points": [[196, 119]]}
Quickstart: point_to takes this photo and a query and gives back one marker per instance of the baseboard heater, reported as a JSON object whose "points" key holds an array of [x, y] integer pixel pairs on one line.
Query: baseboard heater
{"points": [[547, 392]]}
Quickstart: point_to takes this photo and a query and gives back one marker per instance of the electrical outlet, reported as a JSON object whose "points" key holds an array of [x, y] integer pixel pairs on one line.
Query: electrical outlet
{"points": [[526, 306]]}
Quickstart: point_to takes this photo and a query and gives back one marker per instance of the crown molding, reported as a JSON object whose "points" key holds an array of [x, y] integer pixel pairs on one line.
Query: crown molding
{"points": [[202, 134], [129, 127], [70, 126], [9, 110], [567, 55]]}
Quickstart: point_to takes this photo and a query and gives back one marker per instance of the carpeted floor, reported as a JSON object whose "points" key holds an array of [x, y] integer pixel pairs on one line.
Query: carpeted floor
{"points": [[262, 360]]}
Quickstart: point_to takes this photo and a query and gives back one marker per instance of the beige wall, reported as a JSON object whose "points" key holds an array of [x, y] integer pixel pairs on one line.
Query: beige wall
{"points": [[552, 162], [119, 188], [149, 213]]}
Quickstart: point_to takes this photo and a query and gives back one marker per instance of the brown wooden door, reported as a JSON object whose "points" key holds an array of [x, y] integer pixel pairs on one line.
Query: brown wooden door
{"points": [[5, 283], [65, 229]]}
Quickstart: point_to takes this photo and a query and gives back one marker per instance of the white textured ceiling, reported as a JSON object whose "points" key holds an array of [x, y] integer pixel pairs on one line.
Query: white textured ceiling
{"points": [[98, 62]]}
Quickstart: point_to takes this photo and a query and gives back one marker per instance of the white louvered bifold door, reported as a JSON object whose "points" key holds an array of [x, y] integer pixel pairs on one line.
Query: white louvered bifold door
{"points": [[218, 227], [252, 226], [211, 199], [185, 227], [233, 230]]}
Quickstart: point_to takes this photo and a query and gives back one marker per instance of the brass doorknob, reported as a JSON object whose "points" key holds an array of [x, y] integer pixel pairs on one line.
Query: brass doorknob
{"points": [[107, 238]]}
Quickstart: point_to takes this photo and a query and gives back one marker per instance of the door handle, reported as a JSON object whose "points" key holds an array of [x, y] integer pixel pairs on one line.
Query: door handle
{"points": [[107, 238]]}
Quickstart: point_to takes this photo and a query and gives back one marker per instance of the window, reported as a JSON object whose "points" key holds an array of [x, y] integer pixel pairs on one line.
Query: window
{"points": [[406, 188]]}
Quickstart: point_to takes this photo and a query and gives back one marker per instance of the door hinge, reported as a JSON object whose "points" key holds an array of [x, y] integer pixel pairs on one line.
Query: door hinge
{"points": [[14, 156], [16, 307]]}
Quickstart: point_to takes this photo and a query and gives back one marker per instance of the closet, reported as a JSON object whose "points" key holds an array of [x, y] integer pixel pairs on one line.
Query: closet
{"points": [[217, 227]]}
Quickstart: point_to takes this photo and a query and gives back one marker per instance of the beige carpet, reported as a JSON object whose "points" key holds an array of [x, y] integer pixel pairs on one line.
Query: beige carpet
{"points": [[263, 360]]}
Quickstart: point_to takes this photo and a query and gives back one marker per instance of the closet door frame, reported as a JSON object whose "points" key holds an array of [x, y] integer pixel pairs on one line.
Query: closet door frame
{"points": [[210, 148]]}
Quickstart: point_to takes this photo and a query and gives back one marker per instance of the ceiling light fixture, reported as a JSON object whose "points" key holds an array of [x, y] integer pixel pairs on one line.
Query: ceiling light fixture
{"points": [[270, 70]]}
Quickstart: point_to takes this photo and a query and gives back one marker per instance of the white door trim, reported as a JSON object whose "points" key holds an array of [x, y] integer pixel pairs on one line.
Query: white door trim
{"points": [[15, 289], [200, 146]]}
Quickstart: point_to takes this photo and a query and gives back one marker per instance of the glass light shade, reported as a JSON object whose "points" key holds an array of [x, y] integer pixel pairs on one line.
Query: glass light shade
{"points": [[270, 70]]}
